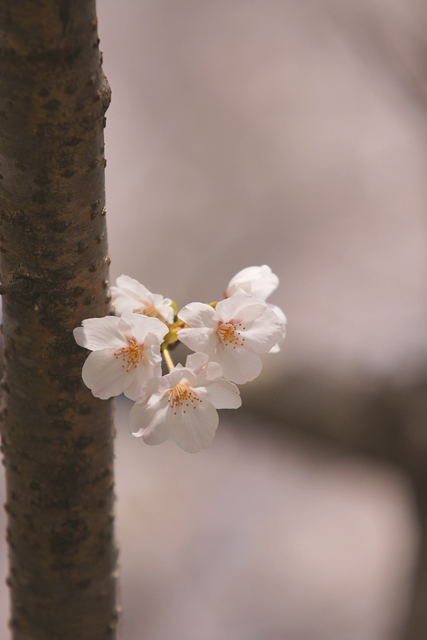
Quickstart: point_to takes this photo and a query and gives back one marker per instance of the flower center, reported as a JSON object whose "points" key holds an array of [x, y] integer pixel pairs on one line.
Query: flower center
{"points": [[182, 396], [131, 355], [229, 334], [149, 311]]}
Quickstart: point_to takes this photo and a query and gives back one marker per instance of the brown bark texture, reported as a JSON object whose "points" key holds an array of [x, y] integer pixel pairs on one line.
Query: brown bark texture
{"points": [[57, 439]]}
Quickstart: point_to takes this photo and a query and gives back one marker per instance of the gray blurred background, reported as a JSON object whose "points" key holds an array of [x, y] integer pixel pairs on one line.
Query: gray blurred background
{"points": [[292, 133]]}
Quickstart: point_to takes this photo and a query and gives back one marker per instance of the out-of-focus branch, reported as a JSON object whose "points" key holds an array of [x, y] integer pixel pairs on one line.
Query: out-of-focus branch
{"points": [[385, 40]]}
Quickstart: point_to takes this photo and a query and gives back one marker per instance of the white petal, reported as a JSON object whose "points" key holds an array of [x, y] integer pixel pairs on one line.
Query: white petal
{"points": [[212, 372], [104, 375], [196, 361], [204, 370], [130, 295], [141, 326], [156, 387], [134, 289], [143, 372], [178, 375], [264, 332], [198, 314], [222, 394], [258, 281], [239, 365], [151, 351], [279, 313], [150, 421], [99, 333], [198, 339], [122, 303], [164, 307], [194, 429], [240, 308]]}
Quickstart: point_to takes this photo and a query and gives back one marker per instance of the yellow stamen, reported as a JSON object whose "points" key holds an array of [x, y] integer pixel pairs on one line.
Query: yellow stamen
{"points": [[149, 311], [131, 356], [230, 334], [181, 396]]}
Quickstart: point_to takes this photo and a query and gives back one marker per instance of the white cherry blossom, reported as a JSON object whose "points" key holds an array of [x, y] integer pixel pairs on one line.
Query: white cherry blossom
{"points": [[182, 405], [130, 296], [232, 334], [125, 353], [258, 281]]}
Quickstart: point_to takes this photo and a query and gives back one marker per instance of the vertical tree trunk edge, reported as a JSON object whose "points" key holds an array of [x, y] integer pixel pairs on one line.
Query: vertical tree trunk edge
{"points": [[57, 439]]}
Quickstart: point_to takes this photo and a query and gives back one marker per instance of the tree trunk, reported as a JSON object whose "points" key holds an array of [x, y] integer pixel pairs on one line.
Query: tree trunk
{"points": [[57, 438]]}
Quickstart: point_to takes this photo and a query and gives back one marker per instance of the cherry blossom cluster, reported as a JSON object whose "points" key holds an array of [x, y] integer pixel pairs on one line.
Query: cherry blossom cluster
{"points": [[226, 337]]}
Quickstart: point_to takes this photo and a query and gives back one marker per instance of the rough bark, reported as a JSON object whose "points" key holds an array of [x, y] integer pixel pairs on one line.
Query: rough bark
{"points": [[57, 439]]}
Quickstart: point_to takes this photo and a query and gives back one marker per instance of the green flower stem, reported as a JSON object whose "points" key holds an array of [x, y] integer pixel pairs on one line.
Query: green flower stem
{"points": [[168, 359]]}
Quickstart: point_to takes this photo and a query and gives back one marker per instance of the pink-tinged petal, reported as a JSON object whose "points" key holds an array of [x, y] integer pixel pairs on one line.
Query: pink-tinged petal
{"points": [[264, 332], [222, 394], [141, 326], [275, 349], [198, 315], [149, 420], [240, 308], [239, 365], [99, 333], [197, 339], [194, 429], [103, 374]]}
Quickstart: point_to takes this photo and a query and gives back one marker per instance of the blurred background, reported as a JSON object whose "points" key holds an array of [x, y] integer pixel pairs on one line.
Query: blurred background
{"points": [[291, 133]]}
